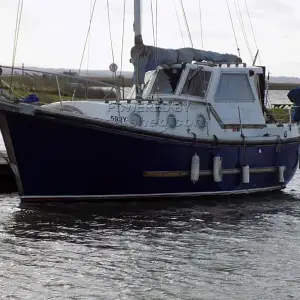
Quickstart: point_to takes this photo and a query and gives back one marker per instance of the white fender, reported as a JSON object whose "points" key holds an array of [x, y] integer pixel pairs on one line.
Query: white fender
{"points": [[217, 169], [281, 170], [246, 174], [195, 168]]}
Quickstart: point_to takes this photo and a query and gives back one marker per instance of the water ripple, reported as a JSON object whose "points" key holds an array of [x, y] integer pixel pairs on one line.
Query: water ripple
{"points": [[235, 248]]}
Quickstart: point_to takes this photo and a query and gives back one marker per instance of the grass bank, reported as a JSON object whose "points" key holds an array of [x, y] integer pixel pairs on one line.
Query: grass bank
{"points": [[46, 88]]}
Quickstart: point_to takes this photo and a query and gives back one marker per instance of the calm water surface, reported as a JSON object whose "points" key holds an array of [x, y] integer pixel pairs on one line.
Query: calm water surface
{"points": [[239, 248]]}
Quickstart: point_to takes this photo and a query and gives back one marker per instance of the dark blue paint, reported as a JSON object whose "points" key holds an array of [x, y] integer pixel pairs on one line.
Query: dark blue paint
{"points": [[57, 158]]}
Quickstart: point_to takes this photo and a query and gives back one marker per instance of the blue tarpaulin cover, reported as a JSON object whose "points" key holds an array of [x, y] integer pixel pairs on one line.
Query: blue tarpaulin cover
{"points": [[294, 96], [147, 58], [32, 98]]}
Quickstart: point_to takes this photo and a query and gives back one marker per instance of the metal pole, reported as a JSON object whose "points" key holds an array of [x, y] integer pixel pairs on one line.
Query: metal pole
{"points": [[255, 58], [137, 22], [61, 105]]}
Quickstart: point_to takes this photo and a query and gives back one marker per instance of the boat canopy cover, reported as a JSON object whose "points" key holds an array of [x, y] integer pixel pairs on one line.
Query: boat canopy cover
{"points": [[148, 58], [294, 95]]}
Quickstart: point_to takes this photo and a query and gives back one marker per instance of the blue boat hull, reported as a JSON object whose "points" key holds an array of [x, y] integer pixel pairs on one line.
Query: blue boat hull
{"points": [[61, 158]]}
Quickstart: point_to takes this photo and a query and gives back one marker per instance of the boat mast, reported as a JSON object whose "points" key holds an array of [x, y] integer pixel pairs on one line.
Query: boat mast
{"points": [[137, 26], [138, 39]]}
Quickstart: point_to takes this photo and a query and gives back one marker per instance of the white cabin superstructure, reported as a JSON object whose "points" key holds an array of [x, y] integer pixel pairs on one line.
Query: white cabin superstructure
{"points": [[201, 99]]}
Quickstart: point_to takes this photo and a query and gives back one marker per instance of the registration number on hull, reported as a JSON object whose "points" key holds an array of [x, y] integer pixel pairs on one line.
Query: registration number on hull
{"points": [[118, 119]]}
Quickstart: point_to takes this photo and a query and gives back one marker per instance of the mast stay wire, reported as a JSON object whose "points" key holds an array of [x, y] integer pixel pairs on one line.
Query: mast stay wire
{"points": [[16, 39], [110, 34], [254, 37], [233, 28], [152, 17], [201, 26], [122, 47], [87, 36], [187, 24], [89, 43], [177, 16], [240, 17]]}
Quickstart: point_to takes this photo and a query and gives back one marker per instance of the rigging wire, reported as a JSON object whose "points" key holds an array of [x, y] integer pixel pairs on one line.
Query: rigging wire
{"points": [[89, 45], [122, 47], [238, 11], [152, 17], [156, 25], [156, 50], [234, 33], [201, 27], [181, 32], [254, 37], [186, 23], [16, 38], [110, 35], [87, 36]]}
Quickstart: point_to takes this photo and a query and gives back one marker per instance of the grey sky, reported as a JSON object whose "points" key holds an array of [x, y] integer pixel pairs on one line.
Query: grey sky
{"points": [[53, 31]]}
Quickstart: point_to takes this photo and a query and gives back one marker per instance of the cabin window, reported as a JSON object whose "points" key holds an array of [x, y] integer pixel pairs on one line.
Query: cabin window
{"points": [[234, 87], [166, 81], [197, 83]]}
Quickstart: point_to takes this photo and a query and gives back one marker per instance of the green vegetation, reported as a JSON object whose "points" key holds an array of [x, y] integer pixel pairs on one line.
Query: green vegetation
{"points": [[281, 115], [45, 87]]}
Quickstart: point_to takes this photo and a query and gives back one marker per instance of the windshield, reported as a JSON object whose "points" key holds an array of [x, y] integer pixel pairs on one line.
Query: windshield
{"points": [[166, 81], [197, 83]]}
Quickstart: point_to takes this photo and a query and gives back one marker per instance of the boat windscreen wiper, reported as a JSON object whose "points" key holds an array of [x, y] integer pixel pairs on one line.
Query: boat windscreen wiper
{"points": [[195, 73]]}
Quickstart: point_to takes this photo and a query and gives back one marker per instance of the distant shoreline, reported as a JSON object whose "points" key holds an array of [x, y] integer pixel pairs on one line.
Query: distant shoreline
{"points": [[283, 86]]}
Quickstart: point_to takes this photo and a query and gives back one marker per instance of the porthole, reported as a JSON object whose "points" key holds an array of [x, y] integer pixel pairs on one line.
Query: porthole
{"points": [[201, 122], [135, 119], [171, 121]]}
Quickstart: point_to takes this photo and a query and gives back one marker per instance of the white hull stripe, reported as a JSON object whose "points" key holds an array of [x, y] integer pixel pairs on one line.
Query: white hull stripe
{"points": [[131, 196]]}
